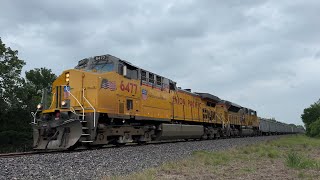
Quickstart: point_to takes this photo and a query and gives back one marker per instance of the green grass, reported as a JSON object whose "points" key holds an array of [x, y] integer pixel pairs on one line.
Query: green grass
{"points": [[297, 161], [261, 150], [297, 140], [212, 158]]}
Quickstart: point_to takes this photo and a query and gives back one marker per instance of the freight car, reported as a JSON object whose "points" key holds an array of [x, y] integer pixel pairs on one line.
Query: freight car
{"points": [[273, 127], [106, 100]]}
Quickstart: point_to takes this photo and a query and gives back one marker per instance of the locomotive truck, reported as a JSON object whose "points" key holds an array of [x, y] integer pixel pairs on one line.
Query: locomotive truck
{"points": [[106, 100]]}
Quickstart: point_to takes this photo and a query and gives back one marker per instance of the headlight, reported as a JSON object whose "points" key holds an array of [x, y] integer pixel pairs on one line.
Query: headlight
{"points": [[67, 77], [39, 106], [63, 103]]}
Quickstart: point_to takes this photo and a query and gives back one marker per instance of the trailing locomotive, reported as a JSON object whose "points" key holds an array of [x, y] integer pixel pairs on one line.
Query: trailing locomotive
{"points": [[106, 100]]}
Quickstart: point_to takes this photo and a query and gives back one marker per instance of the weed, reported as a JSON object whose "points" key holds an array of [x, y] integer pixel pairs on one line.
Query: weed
{"points": [[293, 160], [297, 161]]}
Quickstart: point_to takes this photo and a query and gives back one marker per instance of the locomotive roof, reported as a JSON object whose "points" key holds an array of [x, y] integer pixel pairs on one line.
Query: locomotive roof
{"points": [[209, 96], [103, 58], [231, 104]]}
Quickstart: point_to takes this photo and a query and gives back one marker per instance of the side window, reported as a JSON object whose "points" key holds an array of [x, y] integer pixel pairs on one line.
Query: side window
{"points": [[133, 73], [151, 78], [159, 80], [120, 69], [143, 75]]}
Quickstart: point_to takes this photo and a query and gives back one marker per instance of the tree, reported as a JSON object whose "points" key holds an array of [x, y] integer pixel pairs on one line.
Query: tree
{"points": [[37, 80], [18, 97], [314, 128], [310, 115], [10, 80], [40, 78], [11, 83]]}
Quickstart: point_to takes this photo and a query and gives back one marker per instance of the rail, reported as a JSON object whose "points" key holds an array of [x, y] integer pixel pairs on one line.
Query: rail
{"points": [[94, 110], [77, 102]]}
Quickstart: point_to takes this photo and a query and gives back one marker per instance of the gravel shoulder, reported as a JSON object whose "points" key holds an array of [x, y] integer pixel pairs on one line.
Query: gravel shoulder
{"points": [[96, 164]]}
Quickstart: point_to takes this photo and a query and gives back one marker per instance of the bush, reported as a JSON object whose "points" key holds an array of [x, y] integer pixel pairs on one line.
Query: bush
{"points": [[12, 141], [315, 128], [310, 115]]}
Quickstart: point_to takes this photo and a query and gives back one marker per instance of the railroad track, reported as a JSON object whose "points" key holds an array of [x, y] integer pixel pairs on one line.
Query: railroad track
{"points": [[17, 154]]}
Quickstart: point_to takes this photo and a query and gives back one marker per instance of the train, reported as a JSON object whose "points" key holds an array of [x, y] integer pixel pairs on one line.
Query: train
{"points": [[273, 127], [107, 100]]}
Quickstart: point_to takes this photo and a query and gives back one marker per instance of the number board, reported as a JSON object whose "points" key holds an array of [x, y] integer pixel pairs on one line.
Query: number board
{"points": [[103, 57]]}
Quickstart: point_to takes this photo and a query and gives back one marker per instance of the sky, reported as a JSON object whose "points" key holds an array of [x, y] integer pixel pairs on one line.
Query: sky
{"points": [[261, 54]]}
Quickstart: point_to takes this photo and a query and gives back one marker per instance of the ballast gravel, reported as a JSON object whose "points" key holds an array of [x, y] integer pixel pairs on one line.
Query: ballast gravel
{"points": [[96, 164]]}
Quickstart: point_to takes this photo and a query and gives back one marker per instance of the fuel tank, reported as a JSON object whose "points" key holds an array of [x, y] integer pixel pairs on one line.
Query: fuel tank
{"points": [[180, 131]]}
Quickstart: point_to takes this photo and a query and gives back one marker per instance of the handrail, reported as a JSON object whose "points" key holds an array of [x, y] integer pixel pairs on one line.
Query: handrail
{"points": [[94, 110], [34, 116], [77, 102], [72, 110], [221, 119]]}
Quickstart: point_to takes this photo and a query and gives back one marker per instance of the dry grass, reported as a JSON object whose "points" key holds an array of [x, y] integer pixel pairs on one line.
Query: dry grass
{"points": [[290, 157]]}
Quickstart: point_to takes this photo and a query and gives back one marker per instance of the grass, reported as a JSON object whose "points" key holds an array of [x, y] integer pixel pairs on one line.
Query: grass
{"points": [[297, 161], [293, 157], [211, 158]]}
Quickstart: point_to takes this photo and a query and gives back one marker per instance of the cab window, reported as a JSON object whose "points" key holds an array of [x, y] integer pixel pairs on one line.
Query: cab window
{"points": [[143, 75], [151, 78], [159, 80]]}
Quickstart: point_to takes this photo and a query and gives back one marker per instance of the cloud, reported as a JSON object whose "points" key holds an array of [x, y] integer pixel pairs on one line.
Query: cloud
{"points": [[260, 54]]}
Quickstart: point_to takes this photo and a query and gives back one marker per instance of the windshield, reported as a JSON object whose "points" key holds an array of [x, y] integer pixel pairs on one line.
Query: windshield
{"points": [[105, 67]]}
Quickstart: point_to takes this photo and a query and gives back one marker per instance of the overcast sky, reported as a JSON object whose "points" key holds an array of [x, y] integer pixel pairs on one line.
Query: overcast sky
{"points": [[260, 54]]}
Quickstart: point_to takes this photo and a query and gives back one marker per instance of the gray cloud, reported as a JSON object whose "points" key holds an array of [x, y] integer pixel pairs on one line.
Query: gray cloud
{"points": [[261, 54]]}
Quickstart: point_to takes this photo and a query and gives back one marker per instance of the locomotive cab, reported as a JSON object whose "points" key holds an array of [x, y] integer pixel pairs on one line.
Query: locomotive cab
{"points": [[68, 114]]}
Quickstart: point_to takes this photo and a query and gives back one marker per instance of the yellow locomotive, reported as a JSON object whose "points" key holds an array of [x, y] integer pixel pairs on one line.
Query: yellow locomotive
{"points": [[106, 100]]}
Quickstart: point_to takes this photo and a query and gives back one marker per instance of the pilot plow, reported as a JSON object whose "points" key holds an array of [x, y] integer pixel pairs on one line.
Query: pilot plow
{"points": [[58, 135]]}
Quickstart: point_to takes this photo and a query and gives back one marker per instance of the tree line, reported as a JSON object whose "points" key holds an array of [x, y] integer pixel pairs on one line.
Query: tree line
{"points": [[311, 119], [19, 96]]}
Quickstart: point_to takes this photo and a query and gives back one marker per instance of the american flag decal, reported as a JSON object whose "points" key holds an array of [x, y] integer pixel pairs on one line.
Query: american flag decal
{"points": [[144, 94], [66, 92], [105, 84]]}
